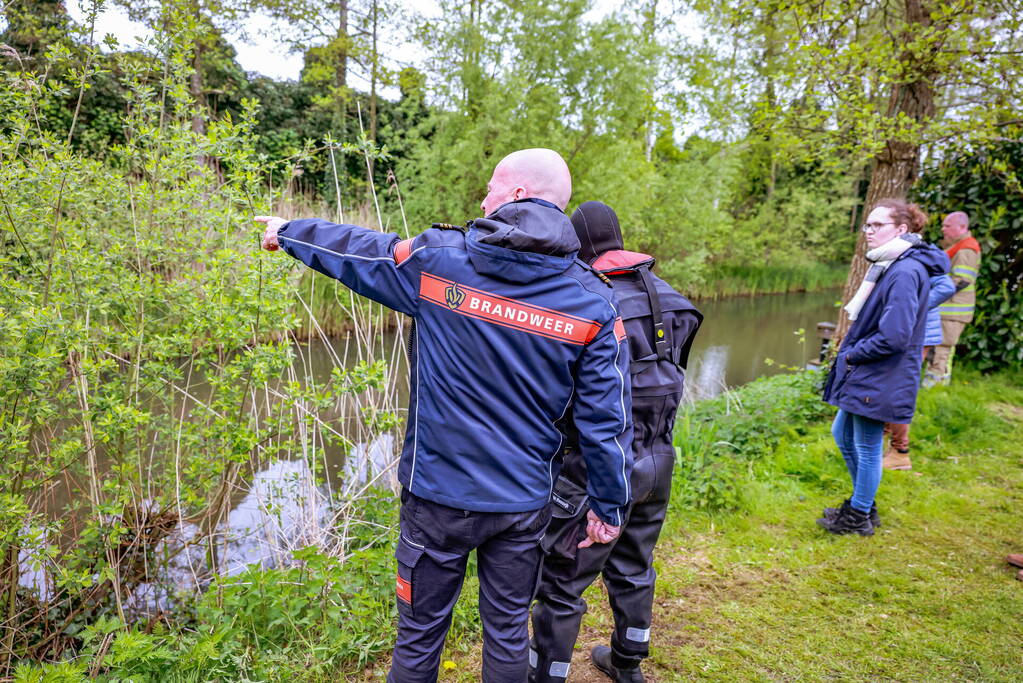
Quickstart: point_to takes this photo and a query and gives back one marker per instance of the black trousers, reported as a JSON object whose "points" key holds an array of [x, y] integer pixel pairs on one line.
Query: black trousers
{"points": [[432, 553], [627, 569]]}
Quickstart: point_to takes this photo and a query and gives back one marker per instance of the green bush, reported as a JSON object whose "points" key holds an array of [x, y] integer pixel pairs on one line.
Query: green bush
{"points": [[145, 362], [718, 440], [985, 181]]}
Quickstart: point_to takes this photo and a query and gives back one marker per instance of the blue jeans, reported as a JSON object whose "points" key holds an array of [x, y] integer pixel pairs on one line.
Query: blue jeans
{"points": [[860, 439]]}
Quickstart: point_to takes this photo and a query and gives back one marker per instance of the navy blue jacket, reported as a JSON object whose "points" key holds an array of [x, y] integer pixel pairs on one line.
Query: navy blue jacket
{"points": [[509, 329], [877, 371]]}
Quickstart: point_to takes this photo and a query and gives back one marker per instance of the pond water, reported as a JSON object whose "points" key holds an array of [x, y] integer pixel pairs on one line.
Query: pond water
{"points": [[743, 338], [285, 507]]}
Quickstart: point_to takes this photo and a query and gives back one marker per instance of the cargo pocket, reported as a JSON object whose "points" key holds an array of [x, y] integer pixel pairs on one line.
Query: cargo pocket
{"points": [[407, 553], [569, 504]]}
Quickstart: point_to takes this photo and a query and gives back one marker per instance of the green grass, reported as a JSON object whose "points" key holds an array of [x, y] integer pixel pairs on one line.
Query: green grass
{"points": [[749, 588], [760, 593]]}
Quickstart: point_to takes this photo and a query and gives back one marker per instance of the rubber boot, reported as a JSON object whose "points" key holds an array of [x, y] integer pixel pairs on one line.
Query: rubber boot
{"points": [[875, 518], [849, 520], [895, 459], [601, 658]]}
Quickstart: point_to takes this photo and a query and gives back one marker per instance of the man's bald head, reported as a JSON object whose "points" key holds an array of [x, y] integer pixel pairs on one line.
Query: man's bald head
{"points": [[538, 172], [955, 226]]}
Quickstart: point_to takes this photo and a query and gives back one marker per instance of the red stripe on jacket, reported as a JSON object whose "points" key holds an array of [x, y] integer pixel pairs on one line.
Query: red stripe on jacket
{"points": [[502, 310]]}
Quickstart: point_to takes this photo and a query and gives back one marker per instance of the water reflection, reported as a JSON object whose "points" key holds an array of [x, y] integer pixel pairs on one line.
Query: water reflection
{"points": [[748, 337], [707, 375]]}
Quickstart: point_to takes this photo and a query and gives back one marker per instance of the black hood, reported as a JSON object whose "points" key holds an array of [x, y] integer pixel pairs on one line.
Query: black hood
{"points": [[596, 226]]}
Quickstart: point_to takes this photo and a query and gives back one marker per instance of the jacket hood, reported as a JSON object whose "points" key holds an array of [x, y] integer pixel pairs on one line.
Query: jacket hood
{"points": [[596, 225], [522, 240], [934, 260]]}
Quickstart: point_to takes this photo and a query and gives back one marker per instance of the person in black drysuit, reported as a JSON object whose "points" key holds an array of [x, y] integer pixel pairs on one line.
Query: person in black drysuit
{"points": [[660, 324]]}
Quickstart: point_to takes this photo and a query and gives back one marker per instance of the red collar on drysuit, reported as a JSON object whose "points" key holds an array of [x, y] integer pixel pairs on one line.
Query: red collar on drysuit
{"points": [[619, 262]]}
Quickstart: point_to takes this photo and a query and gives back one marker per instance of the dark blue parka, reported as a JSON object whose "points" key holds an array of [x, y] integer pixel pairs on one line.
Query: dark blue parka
{"points": [[877, 371], [510, 328]]}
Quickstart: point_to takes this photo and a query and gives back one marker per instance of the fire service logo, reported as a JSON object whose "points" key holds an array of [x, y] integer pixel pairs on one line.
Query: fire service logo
{"points": [[453, 296]]}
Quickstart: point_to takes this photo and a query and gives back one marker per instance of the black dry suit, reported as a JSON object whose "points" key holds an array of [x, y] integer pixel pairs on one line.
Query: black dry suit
{"points": [[660, 324]]}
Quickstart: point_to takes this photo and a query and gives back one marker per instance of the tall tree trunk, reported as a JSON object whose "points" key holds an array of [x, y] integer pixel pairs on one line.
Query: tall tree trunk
{"points": [[898, 165], [342, 41], [374, 63], [341, 67], [767, 70], [195, 88]]}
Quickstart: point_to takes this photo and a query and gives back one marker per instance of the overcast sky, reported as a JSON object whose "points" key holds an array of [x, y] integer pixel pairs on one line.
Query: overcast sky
{"points": [[262, 53]]}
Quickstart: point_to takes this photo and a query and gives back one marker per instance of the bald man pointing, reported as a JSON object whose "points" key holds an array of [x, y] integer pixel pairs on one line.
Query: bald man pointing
{"points": [[512, 337]]}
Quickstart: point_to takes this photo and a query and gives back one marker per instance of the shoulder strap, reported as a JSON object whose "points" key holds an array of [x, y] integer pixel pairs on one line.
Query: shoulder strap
{"points": [[656, 316], [449, 226], [603, 278]]}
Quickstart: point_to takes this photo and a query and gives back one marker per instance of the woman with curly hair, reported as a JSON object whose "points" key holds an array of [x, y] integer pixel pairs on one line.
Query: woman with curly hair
{"points": [[876, 373]]}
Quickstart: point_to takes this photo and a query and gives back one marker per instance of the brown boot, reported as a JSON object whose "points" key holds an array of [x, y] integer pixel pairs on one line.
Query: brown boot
{"points": [[895, 459], [1016, 559]]}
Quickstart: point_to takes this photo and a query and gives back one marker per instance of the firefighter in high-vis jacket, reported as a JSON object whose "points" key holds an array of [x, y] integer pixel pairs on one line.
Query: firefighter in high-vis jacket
{"points": [[956, 312], [660, 325]]}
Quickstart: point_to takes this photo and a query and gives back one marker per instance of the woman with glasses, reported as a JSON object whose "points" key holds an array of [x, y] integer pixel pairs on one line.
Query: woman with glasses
{"points": [[876, 373]]}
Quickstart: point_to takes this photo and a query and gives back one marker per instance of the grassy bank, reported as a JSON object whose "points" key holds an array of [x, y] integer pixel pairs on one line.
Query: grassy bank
{"points": [[749, 588], [725, 279], [754, 590]]}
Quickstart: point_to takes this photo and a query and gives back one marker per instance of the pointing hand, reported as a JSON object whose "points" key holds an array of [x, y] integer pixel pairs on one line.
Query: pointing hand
{"points": [[273, 224]]}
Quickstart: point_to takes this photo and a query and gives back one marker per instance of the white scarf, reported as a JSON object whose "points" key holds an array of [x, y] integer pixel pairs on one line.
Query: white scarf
{"points": [[881, 257]]}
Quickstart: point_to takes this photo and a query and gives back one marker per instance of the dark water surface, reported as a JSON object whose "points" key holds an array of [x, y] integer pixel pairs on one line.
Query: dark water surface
{"points": [[743, 338]]}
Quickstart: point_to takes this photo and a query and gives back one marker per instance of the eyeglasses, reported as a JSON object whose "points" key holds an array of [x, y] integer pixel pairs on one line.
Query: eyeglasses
{"points": [[874, 227]]}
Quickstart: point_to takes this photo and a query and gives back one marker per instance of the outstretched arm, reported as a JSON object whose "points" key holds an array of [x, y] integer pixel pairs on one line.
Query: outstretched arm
{"points": [[362, 259]]}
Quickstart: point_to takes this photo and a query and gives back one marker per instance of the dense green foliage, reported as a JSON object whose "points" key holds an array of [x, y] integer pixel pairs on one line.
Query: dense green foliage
{"points": [[605, 92], [717, 440], [986, 182], [146, 367]]}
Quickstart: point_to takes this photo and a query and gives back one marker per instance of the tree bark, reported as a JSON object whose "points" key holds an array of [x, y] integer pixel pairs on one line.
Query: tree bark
{"points": [[375, 61], [195, 88], [341, 68], [897, 166]]}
